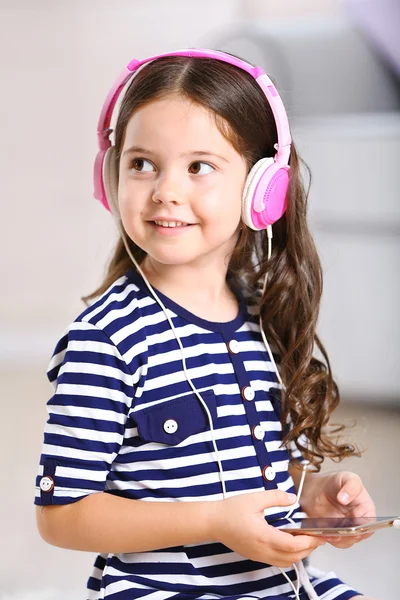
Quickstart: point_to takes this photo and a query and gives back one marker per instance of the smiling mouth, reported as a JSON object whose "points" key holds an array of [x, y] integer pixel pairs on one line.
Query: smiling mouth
{"points": [[171, 224]]}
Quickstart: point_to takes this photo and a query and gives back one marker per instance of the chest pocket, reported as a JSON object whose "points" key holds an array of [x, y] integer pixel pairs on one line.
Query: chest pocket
{"points": [[173, 421]]}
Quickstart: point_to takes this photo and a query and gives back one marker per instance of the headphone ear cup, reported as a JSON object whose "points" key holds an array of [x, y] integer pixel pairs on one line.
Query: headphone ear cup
{"points": [[249, 189], [264, 194], [110, 179]]}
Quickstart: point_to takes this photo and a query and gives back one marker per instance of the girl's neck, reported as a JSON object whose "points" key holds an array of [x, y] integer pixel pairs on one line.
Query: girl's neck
{"points": [[206, 293]]}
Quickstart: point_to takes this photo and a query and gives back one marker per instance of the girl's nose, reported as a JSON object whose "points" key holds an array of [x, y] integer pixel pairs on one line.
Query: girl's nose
{"points": [[168, 189]]}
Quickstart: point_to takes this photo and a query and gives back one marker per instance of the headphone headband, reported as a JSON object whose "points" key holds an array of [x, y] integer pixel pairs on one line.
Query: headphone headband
{"points": [[103, 127], [264, 196]]}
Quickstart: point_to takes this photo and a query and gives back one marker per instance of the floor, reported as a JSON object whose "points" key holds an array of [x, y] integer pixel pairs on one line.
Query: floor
{"points": [[51, 573]]}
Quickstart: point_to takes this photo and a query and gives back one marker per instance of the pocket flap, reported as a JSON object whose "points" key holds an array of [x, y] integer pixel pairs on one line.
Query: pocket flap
{"points": [[173, 421]]}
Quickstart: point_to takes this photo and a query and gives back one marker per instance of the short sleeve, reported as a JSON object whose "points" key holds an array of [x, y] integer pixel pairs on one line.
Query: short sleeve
{"points": [[93, 391]]}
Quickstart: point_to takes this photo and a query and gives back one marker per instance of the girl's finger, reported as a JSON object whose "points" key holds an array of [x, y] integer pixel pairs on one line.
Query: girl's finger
{"points": [[345, 542], [286, 542], [287, 559], [275, 498], [351, 488]]}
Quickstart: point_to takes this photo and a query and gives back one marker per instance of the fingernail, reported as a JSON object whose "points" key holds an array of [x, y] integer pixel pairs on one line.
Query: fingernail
{"points": [[292, 497], [344, 498]]}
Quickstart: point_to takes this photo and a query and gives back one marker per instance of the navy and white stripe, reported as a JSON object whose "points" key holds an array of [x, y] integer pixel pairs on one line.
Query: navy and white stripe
{"points": [[117, 376]]}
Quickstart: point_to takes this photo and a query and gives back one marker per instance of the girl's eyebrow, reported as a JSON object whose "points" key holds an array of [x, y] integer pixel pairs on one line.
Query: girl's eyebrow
{"points": [[140, 149], [204, 153]]}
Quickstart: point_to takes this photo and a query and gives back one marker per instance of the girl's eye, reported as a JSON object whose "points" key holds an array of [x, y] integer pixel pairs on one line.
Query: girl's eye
{"points": [[200, 168], [142, 165]]}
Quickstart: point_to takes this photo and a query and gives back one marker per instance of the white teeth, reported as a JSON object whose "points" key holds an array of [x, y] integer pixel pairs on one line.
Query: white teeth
{"points": [[169, 223]]}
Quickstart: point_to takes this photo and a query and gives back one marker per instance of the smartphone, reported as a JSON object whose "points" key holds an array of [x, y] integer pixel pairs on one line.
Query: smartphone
{"points": [[335, 526]]}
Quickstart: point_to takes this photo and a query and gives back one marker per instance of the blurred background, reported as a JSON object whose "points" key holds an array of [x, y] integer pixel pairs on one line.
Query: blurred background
{"points": [[337, 66]]}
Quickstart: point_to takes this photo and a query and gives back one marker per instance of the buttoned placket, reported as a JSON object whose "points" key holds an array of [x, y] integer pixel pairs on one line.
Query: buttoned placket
{"points": [[258, 434]]}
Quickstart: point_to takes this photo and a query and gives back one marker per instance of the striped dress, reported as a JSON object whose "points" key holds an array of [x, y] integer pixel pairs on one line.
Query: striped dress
{"points": [[123, 420]]}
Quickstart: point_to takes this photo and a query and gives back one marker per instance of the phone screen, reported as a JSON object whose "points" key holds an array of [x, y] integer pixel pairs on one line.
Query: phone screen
{"points": [[333, 525]]}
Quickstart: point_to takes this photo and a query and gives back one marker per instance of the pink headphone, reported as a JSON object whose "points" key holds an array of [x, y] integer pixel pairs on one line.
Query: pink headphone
{"points": [[264, 194]]}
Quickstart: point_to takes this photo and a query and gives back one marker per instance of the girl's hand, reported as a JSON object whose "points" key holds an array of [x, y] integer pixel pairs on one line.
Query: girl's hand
{"points": [[239, 523], [339, 495]]}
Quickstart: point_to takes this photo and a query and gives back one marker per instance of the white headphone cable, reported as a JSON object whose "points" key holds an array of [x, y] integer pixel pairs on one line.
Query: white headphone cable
{"points": [[301, 573], [221, 472], [305, 581], [271, 357], [218, 460]]}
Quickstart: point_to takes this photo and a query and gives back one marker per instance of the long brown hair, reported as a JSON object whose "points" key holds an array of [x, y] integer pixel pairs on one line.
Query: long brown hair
{"points": [[290, 305]]}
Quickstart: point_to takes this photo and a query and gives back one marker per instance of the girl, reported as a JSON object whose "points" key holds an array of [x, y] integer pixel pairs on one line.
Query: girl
{"points": [[171, 432]]}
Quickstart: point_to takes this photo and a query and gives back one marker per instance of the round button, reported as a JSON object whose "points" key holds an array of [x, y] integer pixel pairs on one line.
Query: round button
{"points": [[170, 426], [258, 432], [46, 484], [233, 347], [268, 473], [248, 393]]}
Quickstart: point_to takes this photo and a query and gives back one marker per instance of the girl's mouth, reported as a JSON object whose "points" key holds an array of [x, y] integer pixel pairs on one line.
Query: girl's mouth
{"points": [[170, 228]]}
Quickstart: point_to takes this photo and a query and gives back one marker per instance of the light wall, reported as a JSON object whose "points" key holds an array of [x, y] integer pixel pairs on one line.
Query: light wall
{"points": [[59, 59]]}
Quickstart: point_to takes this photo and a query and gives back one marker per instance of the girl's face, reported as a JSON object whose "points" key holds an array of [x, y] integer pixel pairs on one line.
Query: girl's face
{"points": [[180, 184]]}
